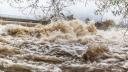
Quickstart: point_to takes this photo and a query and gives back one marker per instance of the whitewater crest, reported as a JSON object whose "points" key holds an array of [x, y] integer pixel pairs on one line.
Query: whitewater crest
{"points": [[63, 29]]}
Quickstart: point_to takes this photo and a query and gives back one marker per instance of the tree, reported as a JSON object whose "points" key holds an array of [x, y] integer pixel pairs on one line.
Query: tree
{"points": [[117, 7], [43, 7]]}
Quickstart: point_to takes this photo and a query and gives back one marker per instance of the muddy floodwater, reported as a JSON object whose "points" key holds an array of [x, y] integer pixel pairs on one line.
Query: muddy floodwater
{"points": [[67, 46]]}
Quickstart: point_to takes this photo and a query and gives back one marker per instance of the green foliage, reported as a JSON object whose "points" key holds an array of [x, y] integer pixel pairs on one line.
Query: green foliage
{"points": [[117, 7]]}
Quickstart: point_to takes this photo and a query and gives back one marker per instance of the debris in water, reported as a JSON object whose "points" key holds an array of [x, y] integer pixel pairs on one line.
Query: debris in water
{"points": [[95, 52]]}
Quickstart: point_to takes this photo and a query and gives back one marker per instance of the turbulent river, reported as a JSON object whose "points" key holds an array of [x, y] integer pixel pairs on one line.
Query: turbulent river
{"points": [[67, 46]]}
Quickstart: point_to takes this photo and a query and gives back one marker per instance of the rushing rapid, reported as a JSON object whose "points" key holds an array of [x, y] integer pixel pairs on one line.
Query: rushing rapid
{"points": [[63, 46]]}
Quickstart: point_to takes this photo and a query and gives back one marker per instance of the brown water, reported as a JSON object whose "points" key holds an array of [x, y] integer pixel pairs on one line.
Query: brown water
{"points": [[62, 47]]}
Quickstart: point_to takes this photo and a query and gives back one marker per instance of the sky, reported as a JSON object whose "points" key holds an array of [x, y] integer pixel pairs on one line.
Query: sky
{"points": [[8, 11], [79, 11]]}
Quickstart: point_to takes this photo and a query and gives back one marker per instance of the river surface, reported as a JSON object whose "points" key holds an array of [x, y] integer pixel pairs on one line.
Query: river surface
{"points": [[68, 46]]}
